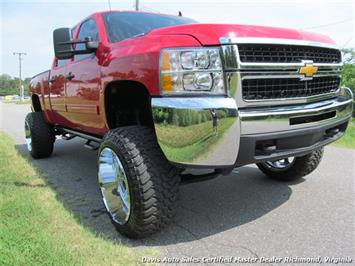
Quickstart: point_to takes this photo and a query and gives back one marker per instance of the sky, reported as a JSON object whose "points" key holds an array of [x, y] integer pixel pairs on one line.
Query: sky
{"points": [[27, 26]]}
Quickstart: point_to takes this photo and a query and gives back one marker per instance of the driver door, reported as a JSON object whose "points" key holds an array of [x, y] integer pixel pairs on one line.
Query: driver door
{"points": [[83, 82]]}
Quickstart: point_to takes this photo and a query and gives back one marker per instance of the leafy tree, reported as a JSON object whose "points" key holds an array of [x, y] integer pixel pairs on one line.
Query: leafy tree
{"points": [[349, 56], [10, 85], [349, 76], [349, 70]]}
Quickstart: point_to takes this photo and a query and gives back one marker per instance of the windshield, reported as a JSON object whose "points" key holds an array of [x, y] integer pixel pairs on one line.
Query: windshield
{"points": [[124, 25]]}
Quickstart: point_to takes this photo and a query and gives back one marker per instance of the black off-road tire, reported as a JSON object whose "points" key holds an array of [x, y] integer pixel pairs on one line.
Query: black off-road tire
{"points": [[301, 167], [153, 182], [42, 135]]}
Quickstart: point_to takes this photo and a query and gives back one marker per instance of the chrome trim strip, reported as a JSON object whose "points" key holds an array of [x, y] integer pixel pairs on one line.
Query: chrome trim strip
{"points": [[278, 75], [189, 134], [254, 40], [276, 119], [294, 110], [248, 65], [308, 99], [232, 62], [291, 69]]}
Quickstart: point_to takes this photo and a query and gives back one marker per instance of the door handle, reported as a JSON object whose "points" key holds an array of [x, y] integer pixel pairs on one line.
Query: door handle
{"points": [[52, 80], [70, 76]]}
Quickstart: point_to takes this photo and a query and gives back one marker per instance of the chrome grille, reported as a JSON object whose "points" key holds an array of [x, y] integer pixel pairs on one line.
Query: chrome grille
{"points": [[279, 88], [275, 53]]}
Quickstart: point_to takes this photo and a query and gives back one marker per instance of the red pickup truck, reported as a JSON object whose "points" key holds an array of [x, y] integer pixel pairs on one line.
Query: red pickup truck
{"points": [[160, 95]]}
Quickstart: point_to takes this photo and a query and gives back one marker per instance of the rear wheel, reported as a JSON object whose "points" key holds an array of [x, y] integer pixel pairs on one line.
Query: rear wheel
{"points": [[292, 168], [39, 135], [138, 185]]}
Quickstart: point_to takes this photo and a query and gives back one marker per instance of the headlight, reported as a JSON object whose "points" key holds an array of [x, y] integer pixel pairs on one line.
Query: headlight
{"points": [[193, 70]]}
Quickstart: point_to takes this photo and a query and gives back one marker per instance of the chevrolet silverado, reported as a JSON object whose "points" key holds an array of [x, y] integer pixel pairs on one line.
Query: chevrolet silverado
{"points": [[160, 96]]}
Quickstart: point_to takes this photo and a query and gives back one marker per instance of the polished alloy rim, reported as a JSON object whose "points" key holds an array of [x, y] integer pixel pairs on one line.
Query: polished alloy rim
{"points": [[28, 137], [114, 186], [281, 164]]}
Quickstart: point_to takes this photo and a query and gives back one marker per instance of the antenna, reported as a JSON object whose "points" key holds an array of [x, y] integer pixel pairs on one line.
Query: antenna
{"points": [[109, 4], [180, 14], [137, 5]]}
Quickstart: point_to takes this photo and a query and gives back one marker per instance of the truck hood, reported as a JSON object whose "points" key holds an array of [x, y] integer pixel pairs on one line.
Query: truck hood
{"points": [[209, 34]]}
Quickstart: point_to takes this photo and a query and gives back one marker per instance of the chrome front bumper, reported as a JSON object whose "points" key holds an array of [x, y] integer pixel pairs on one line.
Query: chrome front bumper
{"points": [[185, 130], [189, 135]]}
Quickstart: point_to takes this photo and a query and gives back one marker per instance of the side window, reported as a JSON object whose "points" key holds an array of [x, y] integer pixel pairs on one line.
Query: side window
{"points": [[62, 62], [87, 29]]}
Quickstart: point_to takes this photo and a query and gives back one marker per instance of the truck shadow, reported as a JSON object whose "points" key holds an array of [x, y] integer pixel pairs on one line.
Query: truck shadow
{"points": [[205, 208]]}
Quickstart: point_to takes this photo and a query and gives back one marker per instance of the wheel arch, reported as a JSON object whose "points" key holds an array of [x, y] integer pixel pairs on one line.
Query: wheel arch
{"points": [[36, 103], [127, 103]]}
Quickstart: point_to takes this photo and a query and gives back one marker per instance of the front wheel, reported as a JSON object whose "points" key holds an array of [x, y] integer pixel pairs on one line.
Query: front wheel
{"points": [[289, 169], [138, 185]]}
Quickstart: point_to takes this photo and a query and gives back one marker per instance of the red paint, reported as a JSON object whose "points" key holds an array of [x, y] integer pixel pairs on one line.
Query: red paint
{"points": [[209, 34], [79, 103]]}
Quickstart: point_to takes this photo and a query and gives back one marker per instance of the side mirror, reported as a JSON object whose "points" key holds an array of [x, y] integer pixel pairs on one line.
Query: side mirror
{"points": [[63, 44], [63, 49]]}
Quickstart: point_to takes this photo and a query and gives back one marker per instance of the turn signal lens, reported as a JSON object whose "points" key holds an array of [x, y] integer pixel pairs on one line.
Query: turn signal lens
{"points": [[166, 83], [165, 64]]}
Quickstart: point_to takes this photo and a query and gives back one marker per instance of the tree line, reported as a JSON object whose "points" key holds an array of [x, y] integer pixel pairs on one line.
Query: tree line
{"points": [[187, 117], [10, 85], [348, 78]]}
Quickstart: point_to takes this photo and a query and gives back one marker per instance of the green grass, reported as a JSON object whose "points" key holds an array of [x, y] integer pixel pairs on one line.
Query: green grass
{"points": [[193, 142], [348, 140], [36, 229], [172, 135]]}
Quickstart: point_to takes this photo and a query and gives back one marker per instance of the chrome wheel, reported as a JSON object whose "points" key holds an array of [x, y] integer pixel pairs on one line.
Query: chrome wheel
{"points": [[28, 137], [114, 186], [280, 165]]}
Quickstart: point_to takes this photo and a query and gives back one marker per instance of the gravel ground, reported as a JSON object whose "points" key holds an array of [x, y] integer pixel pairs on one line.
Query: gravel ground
{"points": [[243, 215]]}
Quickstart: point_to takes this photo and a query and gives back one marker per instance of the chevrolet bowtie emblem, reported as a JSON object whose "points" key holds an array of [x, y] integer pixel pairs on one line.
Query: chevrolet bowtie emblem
{"points": [[308, 70]]}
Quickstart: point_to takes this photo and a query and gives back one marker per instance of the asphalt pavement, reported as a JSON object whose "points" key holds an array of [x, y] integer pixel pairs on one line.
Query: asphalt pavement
{"points": [[243, 216]]}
